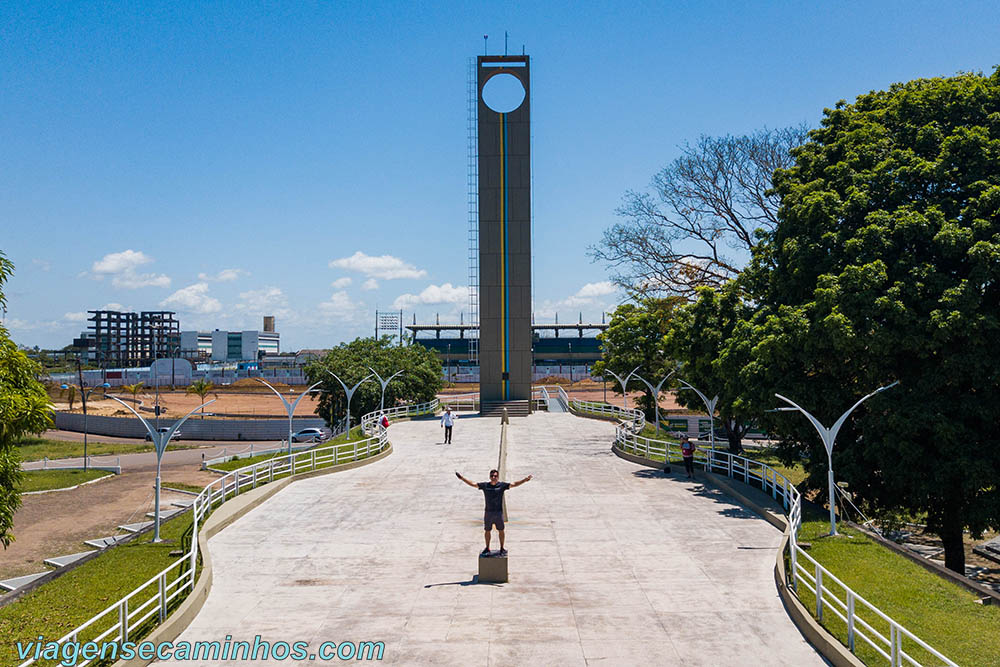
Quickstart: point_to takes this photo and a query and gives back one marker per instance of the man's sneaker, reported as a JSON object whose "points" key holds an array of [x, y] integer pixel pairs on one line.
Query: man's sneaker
{"points": [[503, 552], [485, 553]]}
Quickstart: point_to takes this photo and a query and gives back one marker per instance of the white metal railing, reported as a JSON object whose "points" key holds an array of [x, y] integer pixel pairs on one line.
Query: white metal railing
{"points": [[635, 418], [370, 422], [150, 603], [460, 401], [832, 596]]}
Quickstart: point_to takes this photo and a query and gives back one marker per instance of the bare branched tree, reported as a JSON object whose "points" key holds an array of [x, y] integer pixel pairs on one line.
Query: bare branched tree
{"points": [[700, 223]]}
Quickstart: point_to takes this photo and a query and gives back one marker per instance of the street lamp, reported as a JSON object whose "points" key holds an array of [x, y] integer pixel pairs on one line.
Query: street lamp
{"points": [[173, 365], [570, 355], [623, 383], [656, 394], [85, 395], [829, 436], [350, 393], [160, 441], [710, 405], [290, 407], [384, 383]]}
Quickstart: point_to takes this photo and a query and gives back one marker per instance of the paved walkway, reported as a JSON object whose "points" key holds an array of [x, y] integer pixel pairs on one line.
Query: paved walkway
{"points": [[610, 563]]}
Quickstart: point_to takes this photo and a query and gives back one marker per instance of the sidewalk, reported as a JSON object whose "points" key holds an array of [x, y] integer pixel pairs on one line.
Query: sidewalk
{"points": [[610, 563]]}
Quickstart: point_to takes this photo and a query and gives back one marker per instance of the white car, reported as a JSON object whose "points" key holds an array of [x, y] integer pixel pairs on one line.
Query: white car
{"points": [[309, 435], [164, 429]]}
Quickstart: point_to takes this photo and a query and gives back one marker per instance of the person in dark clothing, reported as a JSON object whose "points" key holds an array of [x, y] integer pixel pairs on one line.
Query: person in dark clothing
{"points": [[687, 453], [493, 491]]}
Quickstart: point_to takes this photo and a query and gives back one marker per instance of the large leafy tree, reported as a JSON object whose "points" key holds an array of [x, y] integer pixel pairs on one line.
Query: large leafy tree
{"points": [[698, 334], [419, 383], [634, 338], [885, 266], [24, 409]]}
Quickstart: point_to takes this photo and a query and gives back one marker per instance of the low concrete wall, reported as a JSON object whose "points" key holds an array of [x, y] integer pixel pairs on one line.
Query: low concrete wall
{"points": [[193, 429]]}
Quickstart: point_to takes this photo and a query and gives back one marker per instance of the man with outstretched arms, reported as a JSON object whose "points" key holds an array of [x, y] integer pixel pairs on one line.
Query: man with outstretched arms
{"points": [[493, 490]]}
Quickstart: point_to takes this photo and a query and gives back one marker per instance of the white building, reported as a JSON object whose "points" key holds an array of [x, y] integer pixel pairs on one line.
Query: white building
{"points": [[232, 345]]}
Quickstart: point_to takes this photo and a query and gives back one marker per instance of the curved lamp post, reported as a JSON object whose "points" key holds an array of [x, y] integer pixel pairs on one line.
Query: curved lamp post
{"points": [[160, 441], [656, 394], [350, 393], [829, 436], [710, 405], [85, 395], [290, 407], [385, 383], [623, 383]]}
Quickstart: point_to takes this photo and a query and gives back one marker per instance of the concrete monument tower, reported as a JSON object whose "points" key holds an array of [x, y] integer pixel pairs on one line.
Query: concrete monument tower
{"points": [[504, 237]]}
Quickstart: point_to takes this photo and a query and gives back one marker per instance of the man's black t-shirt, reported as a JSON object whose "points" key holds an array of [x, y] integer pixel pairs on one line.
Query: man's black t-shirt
{"points": [[494, 495]]}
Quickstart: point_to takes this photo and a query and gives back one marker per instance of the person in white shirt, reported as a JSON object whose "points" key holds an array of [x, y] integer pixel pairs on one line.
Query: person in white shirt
{"points": [[447, 421]]}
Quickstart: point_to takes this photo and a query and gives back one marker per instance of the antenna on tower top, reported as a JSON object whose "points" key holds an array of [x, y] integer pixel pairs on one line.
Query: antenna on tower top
{"points": [[505, 43], [486, 50]]}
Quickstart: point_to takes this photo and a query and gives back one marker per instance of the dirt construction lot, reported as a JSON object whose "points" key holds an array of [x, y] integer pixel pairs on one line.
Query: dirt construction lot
{"points": [[179, 403]]}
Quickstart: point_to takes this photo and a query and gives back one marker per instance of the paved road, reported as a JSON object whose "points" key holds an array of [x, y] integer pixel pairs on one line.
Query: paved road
{"points": [[610, 563]]}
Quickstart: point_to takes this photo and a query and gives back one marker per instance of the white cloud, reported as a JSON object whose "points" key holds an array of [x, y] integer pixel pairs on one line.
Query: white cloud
{"points": [[603, 288], [590, 293], [42, 264], [431, 295], [339, 306], [113, 306], [193, 298], [385, 267], [224, 276], [369, 284], [75, 317], [119, 262], [121, 266], [267, 298], [341, 283]]}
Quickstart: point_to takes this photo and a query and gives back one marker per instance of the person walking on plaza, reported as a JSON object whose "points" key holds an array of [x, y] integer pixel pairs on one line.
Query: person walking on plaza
{"points": [[493, 490], [447, 420], [687, 453]]}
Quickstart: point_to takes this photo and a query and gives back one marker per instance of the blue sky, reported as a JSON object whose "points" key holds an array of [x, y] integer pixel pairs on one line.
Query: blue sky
{"points": [[308, 160]]}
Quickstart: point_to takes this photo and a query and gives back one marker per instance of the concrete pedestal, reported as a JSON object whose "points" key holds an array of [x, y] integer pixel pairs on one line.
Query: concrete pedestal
{"points": [[493, 569]]}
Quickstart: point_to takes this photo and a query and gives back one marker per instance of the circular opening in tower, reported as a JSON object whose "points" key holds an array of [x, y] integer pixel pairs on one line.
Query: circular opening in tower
{"points": [[503, 93]]}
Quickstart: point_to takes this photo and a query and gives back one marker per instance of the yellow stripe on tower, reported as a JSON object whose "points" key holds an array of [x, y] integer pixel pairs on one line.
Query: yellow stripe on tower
{"points": [[503, 253]]}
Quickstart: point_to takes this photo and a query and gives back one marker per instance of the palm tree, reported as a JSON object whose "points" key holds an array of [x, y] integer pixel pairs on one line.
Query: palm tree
{"points": [[201, 387], [133, 389]]}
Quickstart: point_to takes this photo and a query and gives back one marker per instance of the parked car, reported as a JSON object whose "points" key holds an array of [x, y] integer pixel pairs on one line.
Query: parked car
{"points": [[164, 429], [309, 435]]}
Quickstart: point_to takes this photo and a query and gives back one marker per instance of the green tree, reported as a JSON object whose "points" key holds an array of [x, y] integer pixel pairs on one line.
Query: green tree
{"points": [[201, 388], [419, 383], [24, 409], [634, 337], [699, 332], [885, 266]]}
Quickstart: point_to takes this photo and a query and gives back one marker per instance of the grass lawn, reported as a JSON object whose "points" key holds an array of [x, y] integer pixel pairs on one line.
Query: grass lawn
{"points": [[182, 486], [60, 605], [46, 480], [941, 613], [35, 449], [795, 473], [345, 445]]}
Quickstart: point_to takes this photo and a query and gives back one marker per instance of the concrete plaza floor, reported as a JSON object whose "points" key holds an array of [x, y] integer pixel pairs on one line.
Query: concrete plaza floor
{"points": [[610, 563]]}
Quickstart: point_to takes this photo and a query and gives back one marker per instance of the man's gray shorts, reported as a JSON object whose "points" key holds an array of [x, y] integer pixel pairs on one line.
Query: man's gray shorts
{"points": [[491, 519]]}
